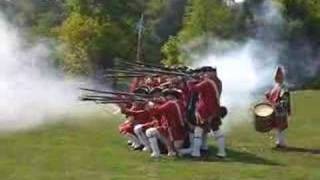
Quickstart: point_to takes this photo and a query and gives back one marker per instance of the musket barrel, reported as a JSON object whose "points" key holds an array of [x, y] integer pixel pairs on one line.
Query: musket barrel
{"points": [[114, 93]]}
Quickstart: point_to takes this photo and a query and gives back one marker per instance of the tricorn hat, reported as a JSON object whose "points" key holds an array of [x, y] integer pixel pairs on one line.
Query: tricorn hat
{"points": [[141, 90], [155, 90], [208, 69], [173, 92]]}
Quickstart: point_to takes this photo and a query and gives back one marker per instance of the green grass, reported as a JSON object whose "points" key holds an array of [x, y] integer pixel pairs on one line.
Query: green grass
{"points": [[93, 150]]}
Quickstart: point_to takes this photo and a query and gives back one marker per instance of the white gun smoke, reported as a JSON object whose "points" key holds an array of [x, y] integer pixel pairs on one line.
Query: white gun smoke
{"points": [[246, 69], [31, 91]]}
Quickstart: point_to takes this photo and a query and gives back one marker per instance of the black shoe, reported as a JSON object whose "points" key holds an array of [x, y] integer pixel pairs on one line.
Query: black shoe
{"points": [[138, 148], [279, 146], [204, 152], [194, 158]]}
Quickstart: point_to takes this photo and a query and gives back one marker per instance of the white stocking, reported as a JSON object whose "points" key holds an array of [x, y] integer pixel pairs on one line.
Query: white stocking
{"points": [[152, 134], [197, 142], [138, 130], [218, 135]]}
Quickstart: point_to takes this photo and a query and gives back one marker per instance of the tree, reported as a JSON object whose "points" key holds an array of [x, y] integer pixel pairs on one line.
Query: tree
{"points": [[204, 20], [171, 52], [82, 36], [210, 18]]}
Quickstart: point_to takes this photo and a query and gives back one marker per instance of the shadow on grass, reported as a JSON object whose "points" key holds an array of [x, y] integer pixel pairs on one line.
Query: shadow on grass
{"points": [[233, 156], [298, 149]]}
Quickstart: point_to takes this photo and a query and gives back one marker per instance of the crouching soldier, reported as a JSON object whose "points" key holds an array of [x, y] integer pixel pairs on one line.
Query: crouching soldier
{"points": [[136, 115], [170, 130], [140, 129]]}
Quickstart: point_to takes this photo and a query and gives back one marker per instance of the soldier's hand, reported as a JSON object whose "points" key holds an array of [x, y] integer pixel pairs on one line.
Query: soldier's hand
{"points": [[149, 106]]}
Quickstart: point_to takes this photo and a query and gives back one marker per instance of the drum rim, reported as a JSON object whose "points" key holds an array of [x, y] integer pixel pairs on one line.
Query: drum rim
{"points": [[266, 103], [263, 103]]}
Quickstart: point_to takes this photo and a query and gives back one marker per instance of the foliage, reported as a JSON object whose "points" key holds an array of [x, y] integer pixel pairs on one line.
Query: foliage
{"points": [[203, 20], [189, 23], [172, 52], [307, 12], [207, 18], [82, 35]]}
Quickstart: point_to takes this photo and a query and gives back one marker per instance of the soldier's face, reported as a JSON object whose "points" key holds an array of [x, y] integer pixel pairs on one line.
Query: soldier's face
{"points": [[170, 97], [135, 104], [148, 80], [210, 74], [279, 79], [156, 96]]}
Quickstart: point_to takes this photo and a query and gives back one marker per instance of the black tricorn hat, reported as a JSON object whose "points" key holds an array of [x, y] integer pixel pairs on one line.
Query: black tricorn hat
{"points": [[208, 69], [155, 90], [141, 90], [173, 92], [182, 68], [195, 71]]}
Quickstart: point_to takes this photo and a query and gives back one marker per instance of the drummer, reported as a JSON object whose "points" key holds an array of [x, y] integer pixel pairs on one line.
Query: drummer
{"points": [[278, 96]]}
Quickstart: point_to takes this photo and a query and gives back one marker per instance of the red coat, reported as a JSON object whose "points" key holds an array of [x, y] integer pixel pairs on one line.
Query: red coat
{"points": [[281, 117], [139, 115], [154, 83], [273, 96], [172, 116], [156, 120], [209, 97], [186, 95], [136, 82]]}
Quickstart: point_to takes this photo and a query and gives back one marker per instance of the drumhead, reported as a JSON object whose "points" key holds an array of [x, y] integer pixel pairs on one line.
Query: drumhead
{"points": [[263, 110]]}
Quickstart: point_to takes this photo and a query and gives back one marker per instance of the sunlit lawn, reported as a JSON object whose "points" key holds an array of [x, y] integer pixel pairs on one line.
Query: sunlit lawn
{"points": [[93, 150]]}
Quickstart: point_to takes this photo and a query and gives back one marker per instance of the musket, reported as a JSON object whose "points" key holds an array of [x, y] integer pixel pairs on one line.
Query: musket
{"points": [[129, 63], [115, 98], [112, 102], [162, 72], [98, 100], [114, 92], [123, 76], [130, 73], [153, 66], [121, 71], [140, 64]]}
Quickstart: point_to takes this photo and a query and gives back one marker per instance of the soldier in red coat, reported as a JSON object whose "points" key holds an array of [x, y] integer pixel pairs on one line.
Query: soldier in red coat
{"points": [[279, 97], [171, 129], [135, 115], [136, 83], [140, 129], [181, 84], [208, 118]]}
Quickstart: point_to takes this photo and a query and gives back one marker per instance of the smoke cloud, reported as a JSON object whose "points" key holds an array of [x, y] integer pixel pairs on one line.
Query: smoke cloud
{"points": [[32, 92], [246, 68]]}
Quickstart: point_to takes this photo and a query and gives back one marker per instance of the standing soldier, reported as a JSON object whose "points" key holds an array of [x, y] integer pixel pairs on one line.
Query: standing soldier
{"points": [[208, 118], [279, 97]]}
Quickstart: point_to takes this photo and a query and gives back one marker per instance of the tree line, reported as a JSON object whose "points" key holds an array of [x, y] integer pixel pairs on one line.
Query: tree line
{"points": [[93, 33]]}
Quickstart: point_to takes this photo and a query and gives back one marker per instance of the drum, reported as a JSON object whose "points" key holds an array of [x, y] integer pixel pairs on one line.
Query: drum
{"points": [[263, 117]]}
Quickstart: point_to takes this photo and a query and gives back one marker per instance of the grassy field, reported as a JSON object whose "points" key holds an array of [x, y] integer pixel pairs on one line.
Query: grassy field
{"points": [[93, 150]]}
